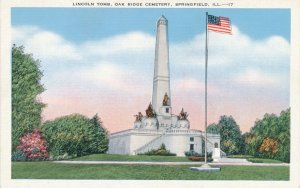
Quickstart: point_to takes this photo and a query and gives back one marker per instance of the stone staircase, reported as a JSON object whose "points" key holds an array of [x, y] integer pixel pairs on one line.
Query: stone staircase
{"points": [[153, 144], [209, 143], [223, 154], [156, 143]]}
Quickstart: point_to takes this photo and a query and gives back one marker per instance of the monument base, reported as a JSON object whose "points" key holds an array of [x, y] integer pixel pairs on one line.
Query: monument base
{"points": [[205, 168]]}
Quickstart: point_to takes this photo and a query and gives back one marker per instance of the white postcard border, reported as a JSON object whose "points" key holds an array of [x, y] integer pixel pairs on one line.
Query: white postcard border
{"points": [[5, 89]]}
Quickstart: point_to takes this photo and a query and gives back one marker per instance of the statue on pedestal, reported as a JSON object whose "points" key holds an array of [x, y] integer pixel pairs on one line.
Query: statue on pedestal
{"points": [[138, 117], [166, 101], [183, 115], [150, 112]]}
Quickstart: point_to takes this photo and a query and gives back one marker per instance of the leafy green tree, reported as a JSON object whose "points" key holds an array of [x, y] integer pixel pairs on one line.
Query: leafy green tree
{"points": [[250, 142], [231, 136], [270, 137], [26, 87], [262, 129], [75, 135], [269, 146], [283, 136]]}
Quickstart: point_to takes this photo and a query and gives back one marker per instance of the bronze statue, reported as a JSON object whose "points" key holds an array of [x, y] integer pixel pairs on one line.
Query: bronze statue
{"points": [[166, 101], [150, 112], [183, 115], [138, 117]]}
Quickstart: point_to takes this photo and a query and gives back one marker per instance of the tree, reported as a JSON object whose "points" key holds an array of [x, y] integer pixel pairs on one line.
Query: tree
{"points": [[26, 87], [270, 137], [284, 136], [75, 135], [103, 143], [231, 136], [250, 142], [214, 128], [269, 146]]}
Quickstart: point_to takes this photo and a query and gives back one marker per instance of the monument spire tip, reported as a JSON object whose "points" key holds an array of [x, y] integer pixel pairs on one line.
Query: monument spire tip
{"points": [[162, 17]]}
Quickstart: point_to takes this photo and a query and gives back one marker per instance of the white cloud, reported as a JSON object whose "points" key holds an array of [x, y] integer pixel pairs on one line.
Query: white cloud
{"points": [[110, 76], [132, 42], [228, 50], [189, 84], [256, 77], [188, 52], [115, 63], [125, 62], [21, 33], [122, 65], [192, 85], [236, 56], [51, 46], [45, 45]]}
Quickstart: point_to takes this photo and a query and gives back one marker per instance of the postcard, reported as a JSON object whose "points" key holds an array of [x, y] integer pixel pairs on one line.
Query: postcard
{"points": [[150, 93]]}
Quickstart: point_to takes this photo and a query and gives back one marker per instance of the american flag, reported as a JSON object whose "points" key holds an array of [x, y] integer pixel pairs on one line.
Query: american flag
{"points": [[219, 24]]}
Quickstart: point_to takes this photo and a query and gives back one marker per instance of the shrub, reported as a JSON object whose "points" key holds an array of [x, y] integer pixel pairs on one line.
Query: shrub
{"points": [[192, 153], [162, 147], [75, 135], [162, 151], [194, 156], [32, 147], [18, 155]]}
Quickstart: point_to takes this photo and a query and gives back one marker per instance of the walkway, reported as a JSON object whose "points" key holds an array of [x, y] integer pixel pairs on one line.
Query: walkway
{"points": [[171, 163]]}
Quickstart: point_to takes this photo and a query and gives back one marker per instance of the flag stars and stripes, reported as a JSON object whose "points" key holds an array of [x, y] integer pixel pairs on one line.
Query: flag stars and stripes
{"points": [[219, 24]]}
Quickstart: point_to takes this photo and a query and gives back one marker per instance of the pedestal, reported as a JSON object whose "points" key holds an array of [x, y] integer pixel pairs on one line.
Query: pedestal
{"points": [[205, 168]]}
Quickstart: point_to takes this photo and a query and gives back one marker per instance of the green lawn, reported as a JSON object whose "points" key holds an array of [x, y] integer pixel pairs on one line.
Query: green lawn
{"points": [[113, 157], [49, 170]]}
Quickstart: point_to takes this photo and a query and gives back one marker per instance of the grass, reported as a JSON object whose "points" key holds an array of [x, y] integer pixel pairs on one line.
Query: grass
{"points": [[49, 170], [113, 157], [254, 159]]}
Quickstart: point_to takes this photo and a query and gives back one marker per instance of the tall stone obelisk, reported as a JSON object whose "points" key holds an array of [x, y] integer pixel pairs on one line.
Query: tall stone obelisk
{"points": [[161, 79]]}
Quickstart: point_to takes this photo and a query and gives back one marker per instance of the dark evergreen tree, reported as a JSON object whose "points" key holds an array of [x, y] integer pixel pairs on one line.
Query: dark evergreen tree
{"points": [[103, 144]]}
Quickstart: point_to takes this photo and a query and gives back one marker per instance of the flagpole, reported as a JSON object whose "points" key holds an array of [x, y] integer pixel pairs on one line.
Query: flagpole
{"points": [[206, 59]]}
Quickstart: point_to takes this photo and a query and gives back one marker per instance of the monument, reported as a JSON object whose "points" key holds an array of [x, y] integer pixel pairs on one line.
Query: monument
{"points": [[159, 126], [161, 78]]}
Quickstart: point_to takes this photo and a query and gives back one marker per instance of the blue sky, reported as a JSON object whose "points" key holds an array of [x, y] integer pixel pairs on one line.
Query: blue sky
{"points": [[79, 24], [101, 61]]}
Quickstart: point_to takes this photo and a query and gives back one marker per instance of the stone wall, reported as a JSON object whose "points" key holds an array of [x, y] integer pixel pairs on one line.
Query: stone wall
{"points": [[134, 141]]}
